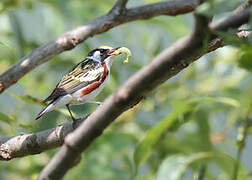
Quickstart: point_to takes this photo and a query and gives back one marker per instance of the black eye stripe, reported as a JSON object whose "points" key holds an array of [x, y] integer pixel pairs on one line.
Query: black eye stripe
{"points": [[103, 53]]}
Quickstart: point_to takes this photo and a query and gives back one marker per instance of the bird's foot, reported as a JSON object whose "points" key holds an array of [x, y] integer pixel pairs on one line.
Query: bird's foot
{"points": [[74, 125], [76, 122]]}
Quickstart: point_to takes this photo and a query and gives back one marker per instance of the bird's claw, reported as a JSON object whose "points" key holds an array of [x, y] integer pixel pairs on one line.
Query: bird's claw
{"points": [[75, 122]]}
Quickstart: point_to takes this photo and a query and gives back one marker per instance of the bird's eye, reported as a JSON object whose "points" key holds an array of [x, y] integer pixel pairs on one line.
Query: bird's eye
{"points": [[102, 51]]}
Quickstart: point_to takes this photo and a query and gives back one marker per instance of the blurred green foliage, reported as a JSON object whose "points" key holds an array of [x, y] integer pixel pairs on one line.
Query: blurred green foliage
{"points": [[244, 58], [185, 128], [213, 7]]}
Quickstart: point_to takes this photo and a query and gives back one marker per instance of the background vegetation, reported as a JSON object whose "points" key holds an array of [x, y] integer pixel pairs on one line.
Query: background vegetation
{"points": [[193, 125]]}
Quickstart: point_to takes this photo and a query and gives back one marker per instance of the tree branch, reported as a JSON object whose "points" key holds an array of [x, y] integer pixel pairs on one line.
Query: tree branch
{"points": [[117, 15], [28, 144], [164, 66]]}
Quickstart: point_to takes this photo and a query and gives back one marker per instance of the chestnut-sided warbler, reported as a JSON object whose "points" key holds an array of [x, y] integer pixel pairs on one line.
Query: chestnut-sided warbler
{"points": [[85, 81]]}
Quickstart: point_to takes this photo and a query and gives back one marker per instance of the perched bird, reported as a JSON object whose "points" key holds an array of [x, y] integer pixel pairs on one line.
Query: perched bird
{"points": [[85, 81]]}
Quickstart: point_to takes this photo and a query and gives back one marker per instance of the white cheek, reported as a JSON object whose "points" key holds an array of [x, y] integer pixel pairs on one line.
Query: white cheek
{"points": [[97, 55]]}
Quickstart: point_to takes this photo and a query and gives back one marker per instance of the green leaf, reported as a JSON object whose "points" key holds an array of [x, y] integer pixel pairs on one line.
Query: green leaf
{"points": [[244, 58], [174, 166], [32, 100], [223, 100], [28, 125], [249, 130], [6, 118], [1, 43], [28, 99], [145, 147]]}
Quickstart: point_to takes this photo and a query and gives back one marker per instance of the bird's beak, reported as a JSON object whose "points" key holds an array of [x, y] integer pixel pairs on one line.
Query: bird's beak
{"points": [[114, 52], [120, 50]]}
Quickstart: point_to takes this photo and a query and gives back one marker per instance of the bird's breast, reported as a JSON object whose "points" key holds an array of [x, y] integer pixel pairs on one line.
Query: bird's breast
{"points": [[92, 90], [91, 87]]}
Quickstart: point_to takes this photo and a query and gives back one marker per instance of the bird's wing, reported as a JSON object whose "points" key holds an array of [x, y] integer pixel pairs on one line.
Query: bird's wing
{"points": [[80, 76]]}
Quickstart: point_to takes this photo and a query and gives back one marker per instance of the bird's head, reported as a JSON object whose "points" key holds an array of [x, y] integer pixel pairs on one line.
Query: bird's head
{"points": [[106, 54]]}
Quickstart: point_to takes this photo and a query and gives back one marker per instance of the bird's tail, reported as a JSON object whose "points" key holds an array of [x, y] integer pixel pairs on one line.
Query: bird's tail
{"points": [[48, 108]]}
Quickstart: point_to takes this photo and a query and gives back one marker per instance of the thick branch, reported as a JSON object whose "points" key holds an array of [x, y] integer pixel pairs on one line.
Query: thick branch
{"points": [[163, 67], [118, 15], [28, 144], [234, 21]]}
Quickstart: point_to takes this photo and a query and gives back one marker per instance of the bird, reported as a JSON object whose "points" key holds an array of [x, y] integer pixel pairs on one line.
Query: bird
{"points": [[85, 81]]}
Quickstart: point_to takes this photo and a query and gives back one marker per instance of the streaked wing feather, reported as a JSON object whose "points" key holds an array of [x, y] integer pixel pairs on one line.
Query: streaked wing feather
{"points": [[80, 76], [83, 80]]}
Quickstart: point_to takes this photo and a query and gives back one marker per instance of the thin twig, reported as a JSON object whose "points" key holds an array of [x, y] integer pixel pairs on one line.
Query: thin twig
{"points": [[241, 140]]}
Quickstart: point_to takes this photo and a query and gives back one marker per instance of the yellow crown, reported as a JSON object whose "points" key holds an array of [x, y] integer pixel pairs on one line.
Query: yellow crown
{"points": [[105, 46]]}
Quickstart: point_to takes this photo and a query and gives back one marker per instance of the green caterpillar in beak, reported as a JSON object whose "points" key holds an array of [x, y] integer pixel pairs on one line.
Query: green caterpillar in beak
{"points": [[123, 50]]}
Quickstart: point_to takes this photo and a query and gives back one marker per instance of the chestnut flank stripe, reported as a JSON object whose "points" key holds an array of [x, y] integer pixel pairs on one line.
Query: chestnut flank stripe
{"points": [[96, 84]]}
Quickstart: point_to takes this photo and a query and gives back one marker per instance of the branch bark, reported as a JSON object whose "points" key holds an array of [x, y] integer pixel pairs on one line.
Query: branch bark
{"points": [[164, 66], [28, 144], [119, 14]]}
